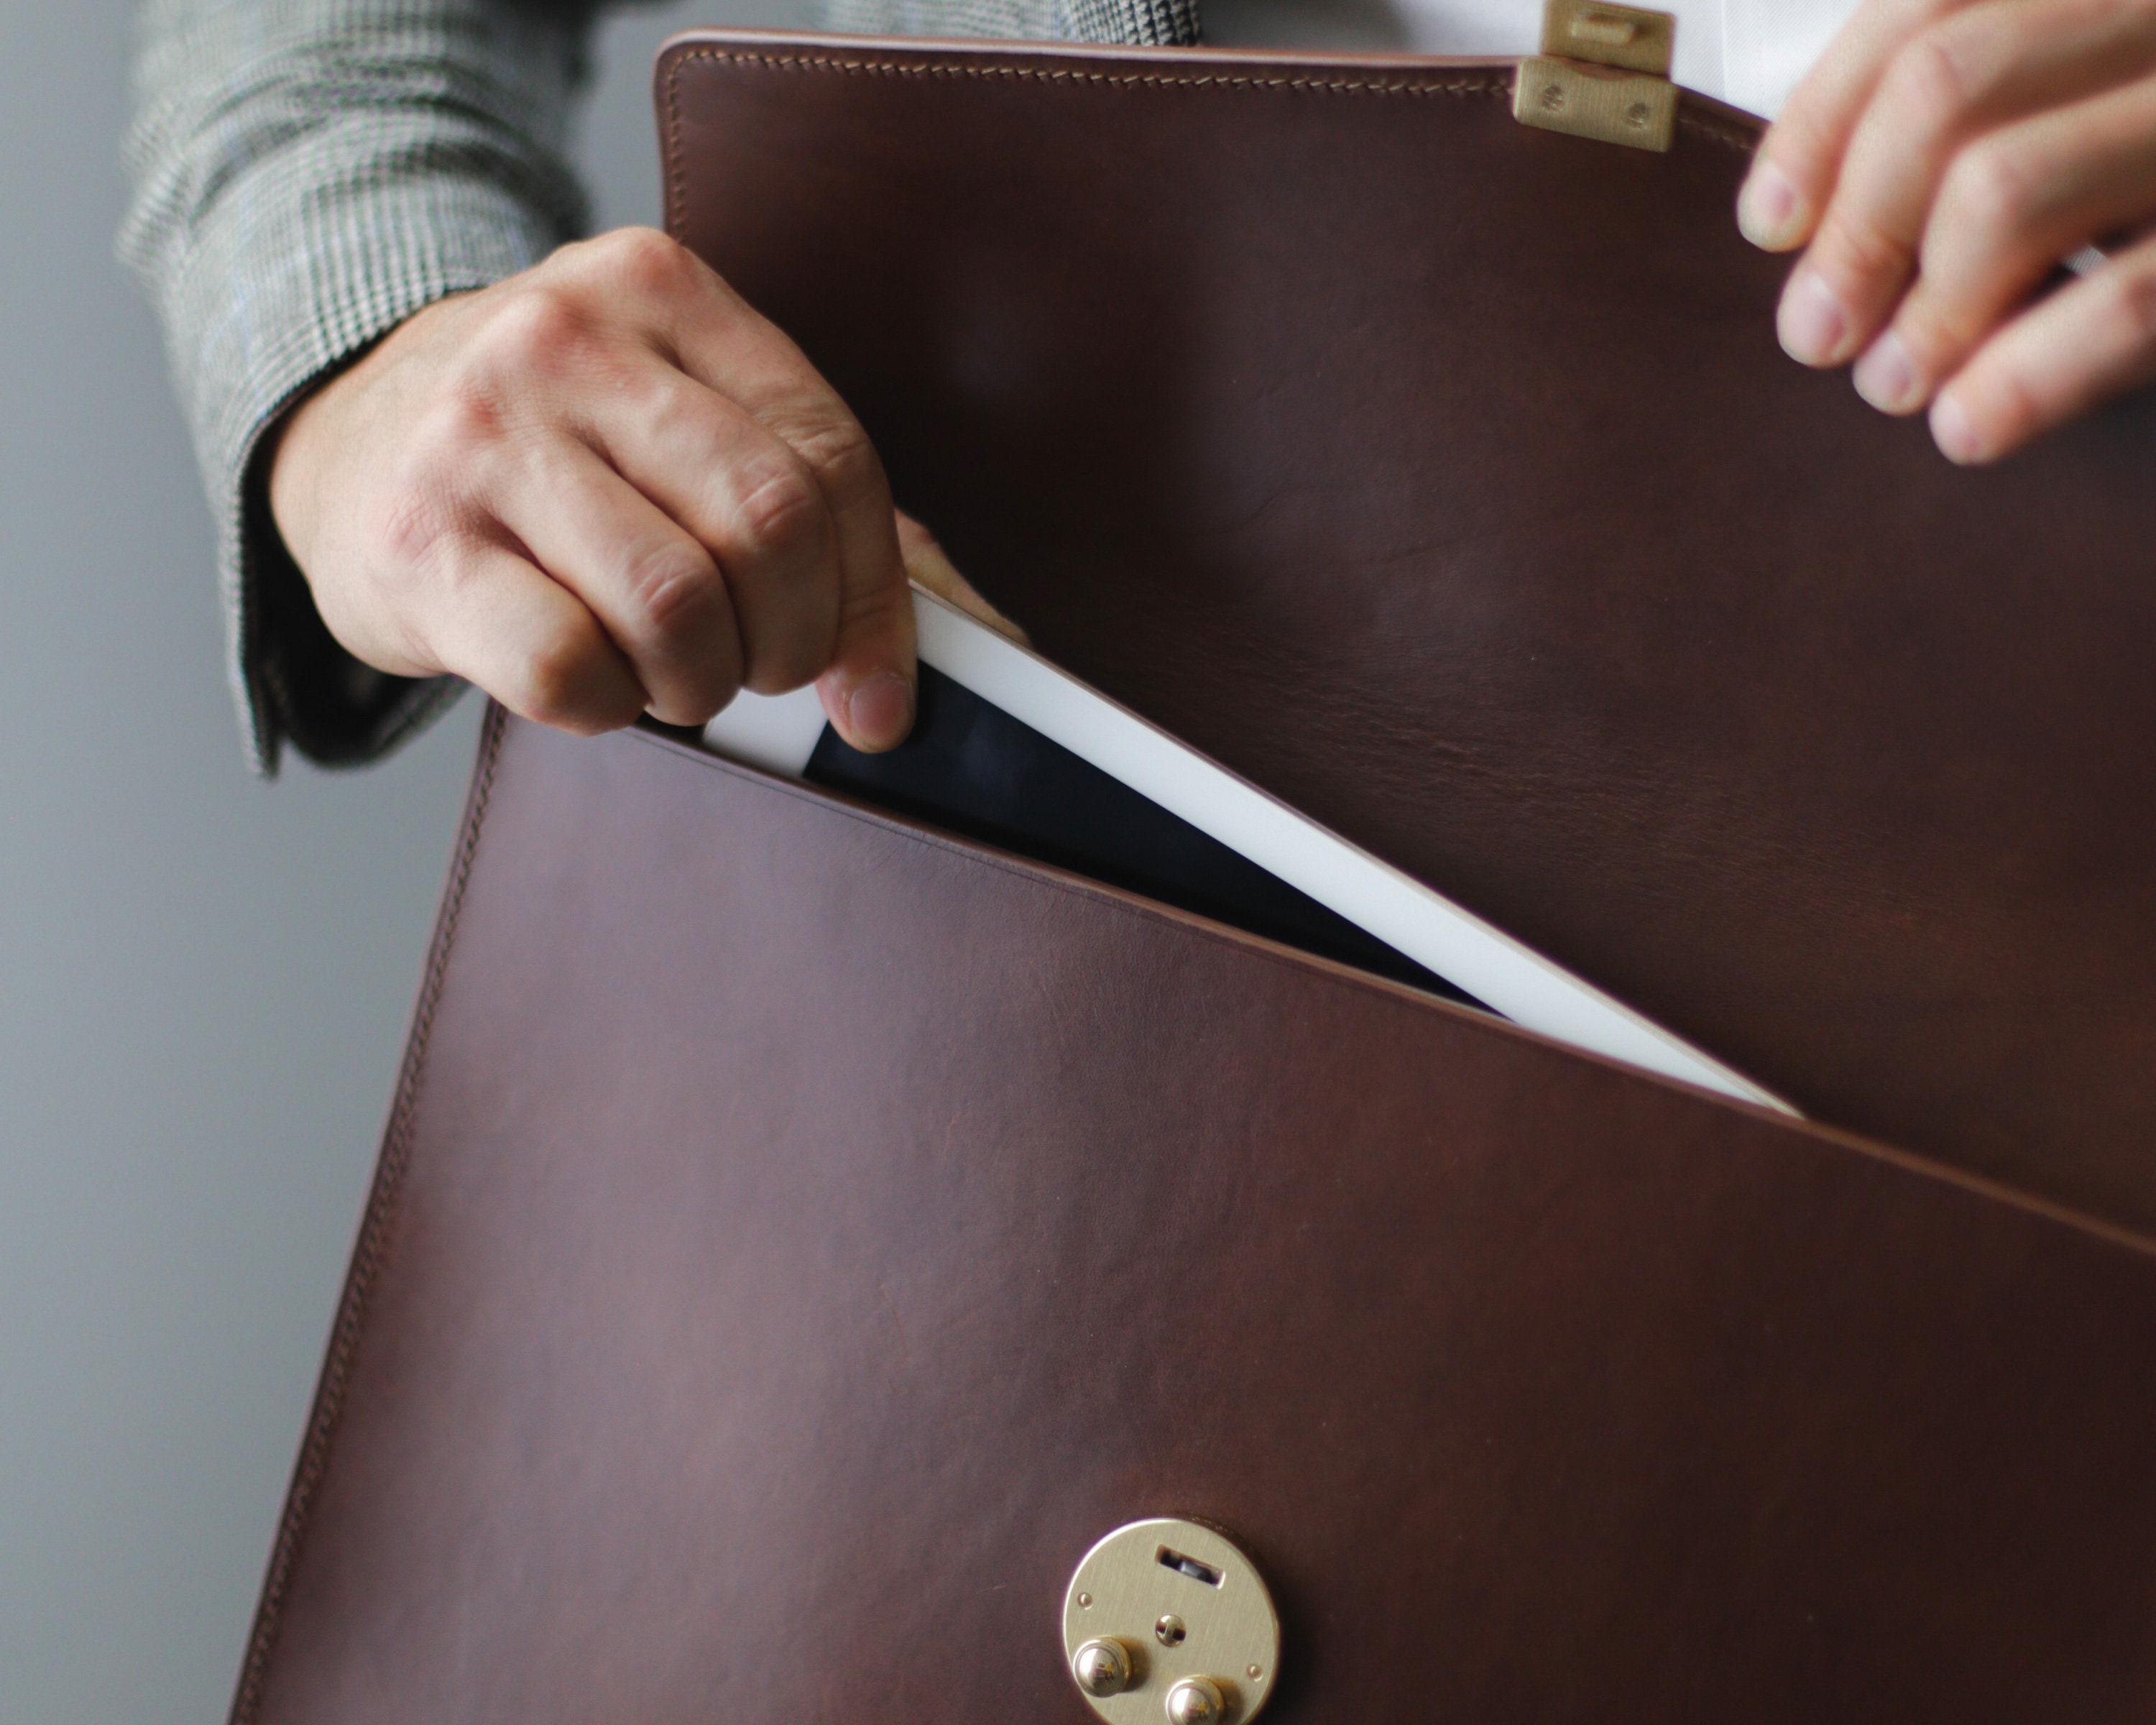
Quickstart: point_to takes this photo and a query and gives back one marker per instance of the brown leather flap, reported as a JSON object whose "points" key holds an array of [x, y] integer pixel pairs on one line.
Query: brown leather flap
{"points": [[800, 1236], [1444, 476]]}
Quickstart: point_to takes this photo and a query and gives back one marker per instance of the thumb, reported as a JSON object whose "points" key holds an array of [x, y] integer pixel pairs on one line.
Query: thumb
{"points": [[868, 691]]}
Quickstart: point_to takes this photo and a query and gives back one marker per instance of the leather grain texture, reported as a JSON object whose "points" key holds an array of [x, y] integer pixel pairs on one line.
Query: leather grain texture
{"points": [[801, 1235], [1445, 478]]}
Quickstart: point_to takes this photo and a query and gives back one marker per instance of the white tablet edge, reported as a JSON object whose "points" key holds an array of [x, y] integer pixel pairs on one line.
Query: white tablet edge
{"points": [[779, 733]]}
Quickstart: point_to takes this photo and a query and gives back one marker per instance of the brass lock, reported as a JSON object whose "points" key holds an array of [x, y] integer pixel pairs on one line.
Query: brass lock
{"points": [[1168, 1620], [1604, 73]]}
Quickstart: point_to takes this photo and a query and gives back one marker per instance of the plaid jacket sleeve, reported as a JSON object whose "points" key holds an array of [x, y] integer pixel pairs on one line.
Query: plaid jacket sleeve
{"points": [[308, 173]]}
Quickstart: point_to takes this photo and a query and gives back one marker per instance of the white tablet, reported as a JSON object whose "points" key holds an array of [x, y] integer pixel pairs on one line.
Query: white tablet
{"points": [[782, 734]]}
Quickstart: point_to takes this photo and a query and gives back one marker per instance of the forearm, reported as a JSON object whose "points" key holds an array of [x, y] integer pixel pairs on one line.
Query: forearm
{"points": [[307, 173]]}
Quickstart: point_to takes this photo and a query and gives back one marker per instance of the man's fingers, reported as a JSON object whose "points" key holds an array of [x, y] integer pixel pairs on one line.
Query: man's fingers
{"points": [[653, 589], [749, 498], [1955, 79], [869, 690], [2012, 205], [729, 522], [705, 327], [2089, 342], [492, 619], [1799, 161]]}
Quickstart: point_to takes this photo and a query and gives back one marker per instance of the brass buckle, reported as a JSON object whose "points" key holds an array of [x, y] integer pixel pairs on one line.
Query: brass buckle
{"points": [[1603, 73]]}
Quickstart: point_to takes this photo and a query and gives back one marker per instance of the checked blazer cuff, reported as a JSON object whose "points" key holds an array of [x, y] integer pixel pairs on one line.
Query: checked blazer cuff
{"points": [[309, 173]]}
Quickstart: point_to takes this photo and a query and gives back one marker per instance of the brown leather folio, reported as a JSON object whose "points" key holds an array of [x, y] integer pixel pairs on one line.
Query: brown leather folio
{"points": [[800, 1232]]}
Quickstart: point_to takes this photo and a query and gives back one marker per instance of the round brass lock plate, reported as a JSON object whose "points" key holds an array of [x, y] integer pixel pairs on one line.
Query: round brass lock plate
{"points": [[1161, 1615]]}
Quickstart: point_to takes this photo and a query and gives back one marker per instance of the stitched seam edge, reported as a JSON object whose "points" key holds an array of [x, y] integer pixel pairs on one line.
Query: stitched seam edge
{"points": [[371, 1250], [1459, 83], [1493, 82], [1408, 84]]}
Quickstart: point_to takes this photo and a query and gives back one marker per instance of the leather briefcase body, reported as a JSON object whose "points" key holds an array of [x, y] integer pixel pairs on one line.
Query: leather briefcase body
{"points": [[802, 1232]]}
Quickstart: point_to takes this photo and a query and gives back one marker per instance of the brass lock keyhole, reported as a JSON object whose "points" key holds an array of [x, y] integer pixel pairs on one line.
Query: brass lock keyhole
{"points": [[1169, 1620]]}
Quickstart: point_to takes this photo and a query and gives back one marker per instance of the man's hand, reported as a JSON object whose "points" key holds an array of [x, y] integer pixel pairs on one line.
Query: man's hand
{"points": [[601, 488], [1938, 164]]}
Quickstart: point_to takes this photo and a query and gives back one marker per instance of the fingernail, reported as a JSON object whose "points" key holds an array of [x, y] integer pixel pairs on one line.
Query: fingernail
{"points": [[1767, 209], [881, 710], [1885, 377], [1811, 322], [1954, 432]]}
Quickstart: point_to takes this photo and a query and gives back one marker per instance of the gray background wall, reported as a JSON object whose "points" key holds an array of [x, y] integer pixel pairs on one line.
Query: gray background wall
{"points": [[203, 980]]}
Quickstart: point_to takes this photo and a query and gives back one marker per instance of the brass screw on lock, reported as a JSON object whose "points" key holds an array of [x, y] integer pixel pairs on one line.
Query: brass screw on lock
{"points": [[1196, 1701], [1103, 1668]]}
